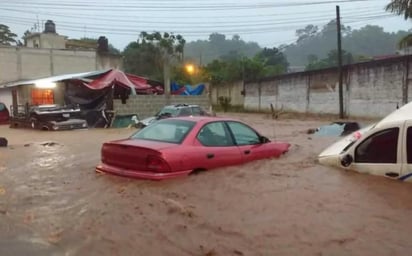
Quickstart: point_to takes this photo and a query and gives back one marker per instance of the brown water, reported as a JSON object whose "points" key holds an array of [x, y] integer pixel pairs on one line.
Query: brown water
{"points": [[53, 203]]}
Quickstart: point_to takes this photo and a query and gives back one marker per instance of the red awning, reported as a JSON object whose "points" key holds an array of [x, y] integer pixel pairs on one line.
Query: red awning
{"points": [[117, 77]]}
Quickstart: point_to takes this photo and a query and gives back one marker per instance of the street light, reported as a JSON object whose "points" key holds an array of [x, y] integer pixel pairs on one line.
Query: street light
{"points": [[190, 68]]}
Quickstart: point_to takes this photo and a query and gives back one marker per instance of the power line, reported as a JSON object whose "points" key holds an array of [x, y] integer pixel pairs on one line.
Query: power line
{"points": [[157, 7], [141, 15], [245, 24]]}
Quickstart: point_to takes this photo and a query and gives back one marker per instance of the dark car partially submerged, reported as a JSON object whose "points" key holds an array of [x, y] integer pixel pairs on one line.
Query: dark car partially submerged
{"points": [[49, 117]]}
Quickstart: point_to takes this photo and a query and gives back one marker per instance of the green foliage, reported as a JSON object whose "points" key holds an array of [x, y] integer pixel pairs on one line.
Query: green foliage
{"points": [[167, 44], [143, 60], [233, 67], [274, 60], [367, 41], [182, 77], [206, 51], [6, 36], [147, 56], [400, 7], [330, 61]]}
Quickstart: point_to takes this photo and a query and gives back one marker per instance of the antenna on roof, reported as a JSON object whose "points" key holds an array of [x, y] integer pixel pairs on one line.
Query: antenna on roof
{"points": [[38, 23]]}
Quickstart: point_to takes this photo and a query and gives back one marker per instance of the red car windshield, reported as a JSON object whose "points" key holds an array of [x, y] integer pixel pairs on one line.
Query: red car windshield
{"points": [[171, 131]]}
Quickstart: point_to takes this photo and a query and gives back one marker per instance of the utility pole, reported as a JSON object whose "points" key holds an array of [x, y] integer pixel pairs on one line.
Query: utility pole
{"points": [[166, 77], [340, 75]]}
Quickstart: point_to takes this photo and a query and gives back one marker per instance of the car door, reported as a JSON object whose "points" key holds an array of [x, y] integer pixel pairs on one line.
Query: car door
{"points": [[379, 153], [215, 147], [406, 173], [248, 142]]}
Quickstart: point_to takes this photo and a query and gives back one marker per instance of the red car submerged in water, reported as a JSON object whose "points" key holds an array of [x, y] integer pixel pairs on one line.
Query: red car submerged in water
{"points": [[4, 114], [178, 146]]}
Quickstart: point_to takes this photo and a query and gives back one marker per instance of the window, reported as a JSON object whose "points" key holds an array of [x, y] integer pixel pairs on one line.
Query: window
{"points": [[196, 111], [215, 135], [409, 145], [185, 112], [244, 135], [172, 131], [42, 96], [381, 147]]}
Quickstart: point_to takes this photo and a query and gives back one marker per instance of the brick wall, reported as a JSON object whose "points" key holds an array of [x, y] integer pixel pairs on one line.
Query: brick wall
{"points": [[147, 105]]}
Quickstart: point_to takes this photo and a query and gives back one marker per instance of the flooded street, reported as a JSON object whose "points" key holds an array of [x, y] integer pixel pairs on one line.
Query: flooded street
{"points": [[52, 202]]}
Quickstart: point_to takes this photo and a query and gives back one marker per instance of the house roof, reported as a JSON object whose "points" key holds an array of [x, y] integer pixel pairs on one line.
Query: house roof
{"points": [[53, 79]]}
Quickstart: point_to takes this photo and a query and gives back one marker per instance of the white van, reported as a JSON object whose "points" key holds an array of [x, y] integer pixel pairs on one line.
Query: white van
{"points": [[384, 148]]}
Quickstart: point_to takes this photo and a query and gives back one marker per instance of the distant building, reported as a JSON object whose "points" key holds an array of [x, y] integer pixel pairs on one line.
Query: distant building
{"points": [[48, 39], [48, 54]]}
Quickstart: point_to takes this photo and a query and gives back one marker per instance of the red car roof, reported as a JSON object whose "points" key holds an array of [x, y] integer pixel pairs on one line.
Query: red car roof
{"points": [[202, 118]]}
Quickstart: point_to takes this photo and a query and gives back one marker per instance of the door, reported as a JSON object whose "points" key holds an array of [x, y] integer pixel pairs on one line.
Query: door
{"points": [[248, 141], [406, 173], [379, 153], [215, 147]]}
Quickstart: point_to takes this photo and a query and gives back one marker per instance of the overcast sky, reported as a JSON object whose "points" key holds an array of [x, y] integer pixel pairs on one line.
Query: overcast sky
{"points": [[267, 22]]}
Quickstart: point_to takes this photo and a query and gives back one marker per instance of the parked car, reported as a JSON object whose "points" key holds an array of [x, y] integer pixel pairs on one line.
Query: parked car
{"points": [[4, 114], [178, 146], [55, 117], [174, 111], [49, 117], [383, 148]]}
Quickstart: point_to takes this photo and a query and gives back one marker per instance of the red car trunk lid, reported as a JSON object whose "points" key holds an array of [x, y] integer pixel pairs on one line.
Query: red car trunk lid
{"points": [[141, 156]]}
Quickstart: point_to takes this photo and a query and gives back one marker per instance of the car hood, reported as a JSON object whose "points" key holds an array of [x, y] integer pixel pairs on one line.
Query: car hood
{"points": [[337, 148]]}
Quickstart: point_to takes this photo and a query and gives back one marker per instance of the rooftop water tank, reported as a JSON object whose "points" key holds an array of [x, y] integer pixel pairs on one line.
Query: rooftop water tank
{"points": [[50, 27]]}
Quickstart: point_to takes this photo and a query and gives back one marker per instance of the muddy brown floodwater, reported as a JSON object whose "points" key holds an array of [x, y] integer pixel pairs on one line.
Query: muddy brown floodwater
{"points": [[53, 203]]}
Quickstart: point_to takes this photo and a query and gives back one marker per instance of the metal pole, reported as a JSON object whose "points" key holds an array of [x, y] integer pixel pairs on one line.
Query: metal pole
{"points": [[341, 114]]}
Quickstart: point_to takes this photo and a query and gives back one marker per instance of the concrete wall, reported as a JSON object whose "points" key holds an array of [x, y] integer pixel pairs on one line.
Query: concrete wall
{"points": [[22, 63], [370, 89], [234, 91], [46, 40], [148, 105]]}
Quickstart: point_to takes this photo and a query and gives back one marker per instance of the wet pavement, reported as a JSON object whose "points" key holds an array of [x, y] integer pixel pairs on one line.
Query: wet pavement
{"points": [[52, 202]]}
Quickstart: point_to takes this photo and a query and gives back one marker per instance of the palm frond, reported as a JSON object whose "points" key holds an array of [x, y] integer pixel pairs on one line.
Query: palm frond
{"points": [[405, 42], [400, 7]]}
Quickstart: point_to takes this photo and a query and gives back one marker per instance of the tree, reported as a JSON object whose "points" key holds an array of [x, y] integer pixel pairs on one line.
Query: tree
{"points": [[307, 32], [330, 61], [219, 46], [6, 36], [368, 41], [153, 53], [273, 57], [400, 7]]}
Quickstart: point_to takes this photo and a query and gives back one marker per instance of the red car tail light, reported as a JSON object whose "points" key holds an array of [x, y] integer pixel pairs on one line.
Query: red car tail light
{"points": [[157, 164]]}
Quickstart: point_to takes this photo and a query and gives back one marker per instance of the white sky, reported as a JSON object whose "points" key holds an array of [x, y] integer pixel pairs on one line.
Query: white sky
{"points": [[267, 22]]}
